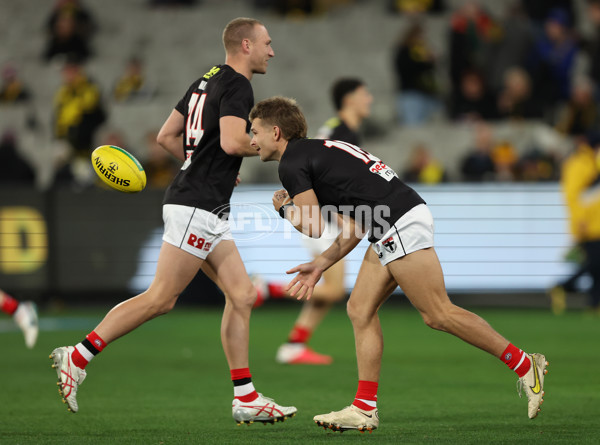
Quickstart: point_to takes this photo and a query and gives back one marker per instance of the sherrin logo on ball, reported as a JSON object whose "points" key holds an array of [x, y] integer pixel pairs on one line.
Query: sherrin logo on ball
{"points": [[119, 169]]}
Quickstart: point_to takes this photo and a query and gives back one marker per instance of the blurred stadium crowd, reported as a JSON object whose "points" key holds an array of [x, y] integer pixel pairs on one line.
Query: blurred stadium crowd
{"points": [[465, 90]]}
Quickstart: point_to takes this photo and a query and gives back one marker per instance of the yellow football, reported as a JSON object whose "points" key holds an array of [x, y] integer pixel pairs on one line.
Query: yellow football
{"points": [[119, 169]]}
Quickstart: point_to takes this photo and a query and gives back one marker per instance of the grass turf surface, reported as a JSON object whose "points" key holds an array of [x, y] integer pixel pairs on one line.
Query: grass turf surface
{"points": [[168, 383]]}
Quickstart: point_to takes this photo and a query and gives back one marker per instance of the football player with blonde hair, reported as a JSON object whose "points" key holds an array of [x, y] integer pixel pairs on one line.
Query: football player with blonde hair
{"points": [[208, 132]]}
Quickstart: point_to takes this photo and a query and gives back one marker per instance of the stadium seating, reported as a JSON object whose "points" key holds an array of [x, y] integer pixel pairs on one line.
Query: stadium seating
{"points": [[179, 44]]}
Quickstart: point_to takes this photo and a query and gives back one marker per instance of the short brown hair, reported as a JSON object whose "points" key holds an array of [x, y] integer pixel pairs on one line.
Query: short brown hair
{"points": [[284, 113], [238, 30]]}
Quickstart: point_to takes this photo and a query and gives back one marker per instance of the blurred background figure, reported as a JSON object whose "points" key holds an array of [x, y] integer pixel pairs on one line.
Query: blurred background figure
{"points": [[12, 89], [472, 101], [14, 168], [515, 99], [352, 101], [580, 182], [132, 84], [78, 114], [69, 28], [552, 61], [516, 39], [160, 166], [24, 313], [538, 10], [580, 114], [423, 167], [78, 108], [477, 165], [537, 165], [472, 32], [415, 69]]}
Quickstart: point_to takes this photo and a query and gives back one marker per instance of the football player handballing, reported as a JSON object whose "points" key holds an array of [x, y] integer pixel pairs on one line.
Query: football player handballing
{"points": [[368, 195]]}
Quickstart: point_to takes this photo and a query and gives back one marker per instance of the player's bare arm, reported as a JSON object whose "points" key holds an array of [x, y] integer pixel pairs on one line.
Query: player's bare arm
{"points": [[304, 213], [170, 136], [309, 274], [235, 141]]}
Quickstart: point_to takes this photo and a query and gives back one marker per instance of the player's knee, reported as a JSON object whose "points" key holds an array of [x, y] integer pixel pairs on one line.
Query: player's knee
{"points": [[434, 321], [243, 298], [357, 313], [439, 319], [161, 304], [168, 305]]}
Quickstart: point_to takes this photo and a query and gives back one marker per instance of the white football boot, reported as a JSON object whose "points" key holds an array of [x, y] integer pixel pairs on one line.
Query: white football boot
{"points": [[262, 409], [533, 384], [350, 418], [69, 376], [27, 319]]}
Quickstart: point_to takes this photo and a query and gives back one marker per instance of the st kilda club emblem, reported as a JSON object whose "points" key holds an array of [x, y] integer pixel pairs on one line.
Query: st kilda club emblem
{"points": [[390, 245]]}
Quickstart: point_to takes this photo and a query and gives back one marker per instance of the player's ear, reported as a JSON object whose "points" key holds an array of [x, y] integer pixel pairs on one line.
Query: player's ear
{"points": [[246, 45], [276, 133]]}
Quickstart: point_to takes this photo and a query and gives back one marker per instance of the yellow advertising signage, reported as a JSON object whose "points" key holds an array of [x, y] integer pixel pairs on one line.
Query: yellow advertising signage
{"points": [[23, 240]]}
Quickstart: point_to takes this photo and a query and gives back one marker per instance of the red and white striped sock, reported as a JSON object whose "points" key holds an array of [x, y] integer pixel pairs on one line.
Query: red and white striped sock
{"points": [[243, 389], [86, 350], [516, 359], [366, 395]]}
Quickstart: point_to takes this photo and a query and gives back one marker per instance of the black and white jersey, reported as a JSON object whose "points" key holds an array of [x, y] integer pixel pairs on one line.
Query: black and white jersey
{"points": [[336, 129], [207, 177], [350, 180]]}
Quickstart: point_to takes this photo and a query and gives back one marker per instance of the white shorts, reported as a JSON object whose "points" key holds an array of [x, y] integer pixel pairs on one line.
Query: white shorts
{"points": [[317, 246], [412, 232], [194, 230]]}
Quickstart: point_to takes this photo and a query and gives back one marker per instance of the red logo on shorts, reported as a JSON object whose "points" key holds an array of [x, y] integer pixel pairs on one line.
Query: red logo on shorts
{"points": [[199, 243]]}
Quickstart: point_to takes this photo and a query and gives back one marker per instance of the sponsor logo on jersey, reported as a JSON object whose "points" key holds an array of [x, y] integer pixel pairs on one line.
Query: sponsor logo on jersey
{"points": [[377, 167], [214, 70]]}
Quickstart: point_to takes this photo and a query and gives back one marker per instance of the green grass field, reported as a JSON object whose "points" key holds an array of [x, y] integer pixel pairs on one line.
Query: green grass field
{"points": [[168, 383]]}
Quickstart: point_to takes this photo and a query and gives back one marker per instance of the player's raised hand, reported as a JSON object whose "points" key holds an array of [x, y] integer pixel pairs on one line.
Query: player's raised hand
{"points": [[303, 284]]}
